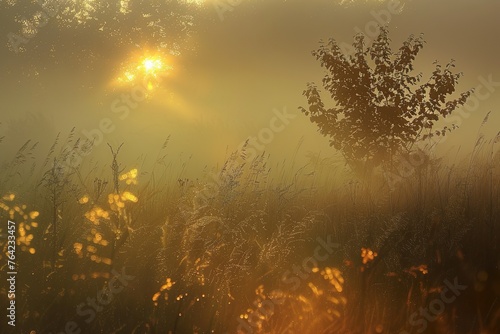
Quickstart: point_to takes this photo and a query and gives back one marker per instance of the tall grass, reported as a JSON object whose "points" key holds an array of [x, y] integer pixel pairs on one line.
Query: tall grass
{"points": [[206, 252]]}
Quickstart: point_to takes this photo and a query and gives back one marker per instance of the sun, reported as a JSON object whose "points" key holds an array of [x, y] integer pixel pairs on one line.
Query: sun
{"points": [[152, 64], [146, 70], [148, 64]]}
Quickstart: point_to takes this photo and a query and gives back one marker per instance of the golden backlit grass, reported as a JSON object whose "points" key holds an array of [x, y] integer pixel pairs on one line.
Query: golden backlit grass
{"points": [[209, 251]]}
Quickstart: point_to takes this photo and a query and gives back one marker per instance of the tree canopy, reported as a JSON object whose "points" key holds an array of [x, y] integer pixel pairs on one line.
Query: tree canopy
{"points": [[381, 107]]}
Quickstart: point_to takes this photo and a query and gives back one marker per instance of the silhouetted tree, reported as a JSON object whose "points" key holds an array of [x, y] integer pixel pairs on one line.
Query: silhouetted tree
{"points": [[380, 107]]}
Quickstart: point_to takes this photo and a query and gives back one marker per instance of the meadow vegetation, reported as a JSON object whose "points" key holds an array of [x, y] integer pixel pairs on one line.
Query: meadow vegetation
{"points": [[236, 249]]}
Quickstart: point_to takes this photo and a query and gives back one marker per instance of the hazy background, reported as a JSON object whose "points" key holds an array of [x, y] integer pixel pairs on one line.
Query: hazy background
{"points": [[228, 74]]}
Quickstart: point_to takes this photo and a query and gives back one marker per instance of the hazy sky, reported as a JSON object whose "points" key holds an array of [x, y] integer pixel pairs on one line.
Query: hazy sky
{"points": [[228, 74]]}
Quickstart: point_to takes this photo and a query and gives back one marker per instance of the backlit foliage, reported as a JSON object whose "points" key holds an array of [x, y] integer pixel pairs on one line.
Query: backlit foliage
{"points": [[318, 300], [163, 291], [107, 225], [130, 177], [167, 25], [367, 255], [25, 220]]}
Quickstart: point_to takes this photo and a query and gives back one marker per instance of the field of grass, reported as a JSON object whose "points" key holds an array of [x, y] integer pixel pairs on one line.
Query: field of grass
{"points": [[251, 246]]}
